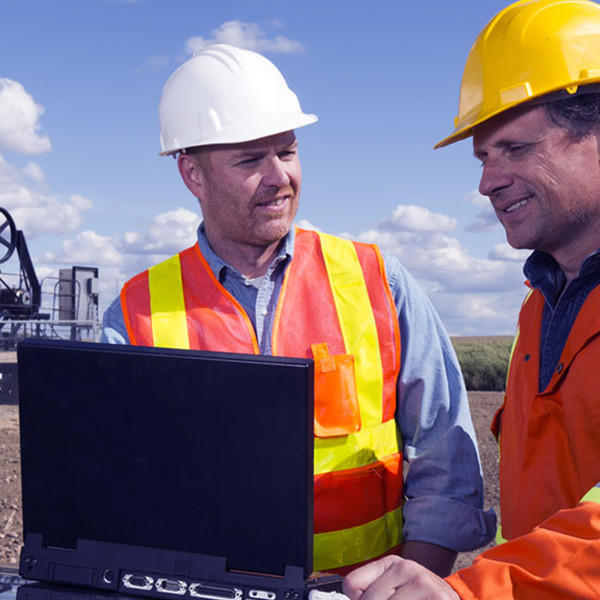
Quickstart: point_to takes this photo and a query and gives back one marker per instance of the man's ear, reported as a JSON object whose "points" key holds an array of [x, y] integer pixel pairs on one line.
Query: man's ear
{"points": [[191, 174]]}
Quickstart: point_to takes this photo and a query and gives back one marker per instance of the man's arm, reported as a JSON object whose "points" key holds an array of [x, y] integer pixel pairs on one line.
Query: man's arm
{"points": [[436, 558], [443, 512], [559, 559], [113, 324]]}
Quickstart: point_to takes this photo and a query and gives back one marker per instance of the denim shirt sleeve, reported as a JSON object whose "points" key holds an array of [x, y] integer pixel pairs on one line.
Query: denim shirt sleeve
{"points": [[113, 324], [444, 482]]}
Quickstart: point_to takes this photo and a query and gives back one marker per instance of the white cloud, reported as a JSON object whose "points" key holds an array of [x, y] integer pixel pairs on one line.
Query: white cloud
{"points": [[33, 171], [479, 314], [164, 235], [34, 209], [305, 224], [19, 125], [472, 295], [486, 219], [409, 217], [154, 63], [122, 255], [477, 199], [244, 35], [505, 252]]}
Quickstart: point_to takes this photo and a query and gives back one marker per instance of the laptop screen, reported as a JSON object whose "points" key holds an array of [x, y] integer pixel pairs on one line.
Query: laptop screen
{"points": [[200, 452]]}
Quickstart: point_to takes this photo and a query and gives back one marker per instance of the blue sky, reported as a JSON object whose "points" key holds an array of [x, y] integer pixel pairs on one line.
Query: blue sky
{"points": [[80, 172]]}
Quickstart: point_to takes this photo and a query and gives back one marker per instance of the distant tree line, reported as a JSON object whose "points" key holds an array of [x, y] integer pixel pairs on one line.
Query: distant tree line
{"points": [[484, 361]]}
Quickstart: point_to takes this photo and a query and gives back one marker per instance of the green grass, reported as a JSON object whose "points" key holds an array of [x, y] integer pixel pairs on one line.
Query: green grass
{"points": [[484, 361]]}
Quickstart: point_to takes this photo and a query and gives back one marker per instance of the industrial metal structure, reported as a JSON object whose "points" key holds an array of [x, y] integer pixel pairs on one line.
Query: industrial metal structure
{"points": [[63, 307]]}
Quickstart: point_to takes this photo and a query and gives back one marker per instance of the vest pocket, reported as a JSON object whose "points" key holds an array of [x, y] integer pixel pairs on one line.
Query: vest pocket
{"points": [[337, 411]]}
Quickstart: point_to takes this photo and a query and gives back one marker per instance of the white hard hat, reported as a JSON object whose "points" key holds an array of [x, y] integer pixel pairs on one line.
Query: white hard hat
{"points": [[226, 95]]}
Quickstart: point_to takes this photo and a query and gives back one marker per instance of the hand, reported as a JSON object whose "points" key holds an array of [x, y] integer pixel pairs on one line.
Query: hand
{"points": [[395, 578]]}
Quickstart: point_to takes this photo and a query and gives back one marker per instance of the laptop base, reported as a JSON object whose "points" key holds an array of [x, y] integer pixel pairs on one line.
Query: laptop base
{"points": [[148, 572]]}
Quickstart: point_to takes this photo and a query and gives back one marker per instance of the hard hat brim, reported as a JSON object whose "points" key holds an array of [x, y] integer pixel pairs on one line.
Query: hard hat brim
{"points": [[252, 131], [546, 98]]}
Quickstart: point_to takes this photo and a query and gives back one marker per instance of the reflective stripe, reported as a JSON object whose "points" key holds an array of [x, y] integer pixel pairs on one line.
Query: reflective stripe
{"points": [[358, 544], [169, 323], [357, 449], [351, 298], [593, 495], [512, 351], [499, 538]]}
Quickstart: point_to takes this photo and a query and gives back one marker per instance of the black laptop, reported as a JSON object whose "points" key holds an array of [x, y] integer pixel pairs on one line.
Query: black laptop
{"points": [[160, 472]]}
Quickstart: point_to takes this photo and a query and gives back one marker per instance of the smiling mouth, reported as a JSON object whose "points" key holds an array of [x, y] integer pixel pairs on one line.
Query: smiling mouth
{"points": [[275, 202], [516, 205]]}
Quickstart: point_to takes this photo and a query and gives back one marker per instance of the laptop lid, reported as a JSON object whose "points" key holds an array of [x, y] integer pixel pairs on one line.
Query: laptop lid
{"points": [[195, 452]]}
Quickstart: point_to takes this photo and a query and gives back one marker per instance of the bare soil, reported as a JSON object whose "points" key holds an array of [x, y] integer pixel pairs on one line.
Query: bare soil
{"points": [[483, 406], [11, 523]]}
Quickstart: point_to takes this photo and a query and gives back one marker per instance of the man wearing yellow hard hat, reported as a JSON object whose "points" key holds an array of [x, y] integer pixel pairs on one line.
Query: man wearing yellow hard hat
{"points": [[530, 98]]}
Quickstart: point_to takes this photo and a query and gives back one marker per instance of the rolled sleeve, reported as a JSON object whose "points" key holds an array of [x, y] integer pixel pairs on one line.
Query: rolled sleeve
{"points": [[444, 482]]}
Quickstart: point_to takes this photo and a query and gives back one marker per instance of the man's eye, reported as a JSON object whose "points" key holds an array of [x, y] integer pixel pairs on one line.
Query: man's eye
{"points": [[247, 162], [517, 148]]}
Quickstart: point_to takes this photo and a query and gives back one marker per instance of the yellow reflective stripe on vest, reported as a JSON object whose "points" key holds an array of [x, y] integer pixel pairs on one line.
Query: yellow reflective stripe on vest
{"points": [[351, 298], [357, 544], [357, 449], [499, 538], [169, 324], [593, 495]]}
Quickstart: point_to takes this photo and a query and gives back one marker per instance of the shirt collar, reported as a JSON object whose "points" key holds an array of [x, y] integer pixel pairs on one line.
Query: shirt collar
{"points": [[544, 273], [219, 267]]}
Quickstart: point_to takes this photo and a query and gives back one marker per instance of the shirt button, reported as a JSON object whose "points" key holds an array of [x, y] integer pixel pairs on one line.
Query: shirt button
{"points": [[560, 368], [264, 312]]}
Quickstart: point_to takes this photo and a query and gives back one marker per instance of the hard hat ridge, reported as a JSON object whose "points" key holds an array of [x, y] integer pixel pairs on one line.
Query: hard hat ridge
{"points": [[226, 95]]}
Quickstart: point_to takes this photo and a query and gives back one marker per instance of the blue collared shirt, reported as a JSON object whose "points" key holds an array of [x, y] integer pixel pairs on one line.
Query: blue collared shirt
{"points": [[444, 484], [562, 303]]}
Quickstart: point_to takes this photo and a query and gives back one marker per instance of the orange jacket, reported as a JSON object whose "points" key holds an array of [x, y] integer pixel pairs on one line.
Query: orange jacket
{"points": [[549, 470], [336, 307]]}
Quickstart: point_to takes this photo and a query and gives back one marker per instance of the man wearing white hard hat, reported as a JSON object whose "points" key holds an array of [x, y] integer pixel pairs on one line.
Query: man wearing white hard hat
{"points": [[530, 98], [388, 387]]}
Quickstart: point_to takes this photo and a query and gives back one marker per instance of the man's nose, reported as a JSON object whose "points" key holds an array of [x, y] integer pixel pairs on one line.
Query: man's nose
{"points": [[493, 179], [276, 173]]}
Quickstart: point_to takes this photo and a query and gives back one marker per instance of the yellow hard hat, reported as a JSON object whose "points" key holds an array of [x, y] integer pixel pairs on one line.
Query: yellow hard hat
{"points": [[528, 50]]}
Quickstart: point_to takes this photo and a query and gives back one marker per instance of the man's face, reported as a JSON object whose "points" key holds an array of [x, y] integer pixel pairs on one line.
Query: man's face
{"points": [[544, 187], [249, 192]]}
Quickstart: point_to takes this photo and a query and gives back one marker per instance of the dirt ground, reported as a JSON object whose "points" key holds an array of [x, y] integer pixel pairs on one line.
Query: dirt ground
{"points": [[483, 406], [10, 485]]}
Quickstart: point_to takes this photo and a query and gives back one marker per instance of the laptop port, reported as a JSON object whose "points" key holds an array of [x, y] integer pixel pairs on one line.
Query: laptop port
{"points": [[211, 592], [171, 586], [262, 595], [137, 582]]}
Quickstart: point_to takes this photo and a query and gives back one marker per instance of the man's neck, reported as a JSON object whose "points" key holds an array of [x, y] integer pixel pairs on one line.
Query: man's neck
{"points": [[251, 261], [571, 259]]}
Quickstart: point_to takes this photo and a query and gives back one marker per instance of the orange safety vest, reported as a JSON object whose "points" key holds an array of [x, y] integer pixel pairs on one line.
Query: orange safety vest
{"points": [[549, 470], [336, 307]]}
